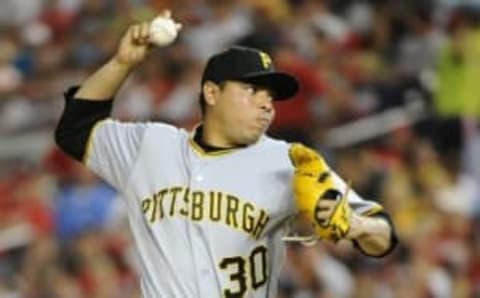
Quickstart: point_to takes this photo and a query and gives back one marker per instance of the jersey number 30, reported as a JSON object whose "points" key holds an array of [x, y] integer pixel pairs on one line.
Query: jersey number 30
{"points": [[255, 265]]}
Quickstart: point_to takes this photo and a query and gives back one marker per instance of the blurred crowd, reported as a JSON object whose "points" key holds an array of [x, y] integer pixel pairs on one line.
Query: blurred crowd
{"points": [[390, 96]]}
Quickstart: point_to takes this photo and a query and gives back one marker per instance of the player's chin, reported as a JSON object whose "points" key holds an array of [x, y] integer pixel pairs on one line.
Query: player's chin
{"points": [[253, 136]]}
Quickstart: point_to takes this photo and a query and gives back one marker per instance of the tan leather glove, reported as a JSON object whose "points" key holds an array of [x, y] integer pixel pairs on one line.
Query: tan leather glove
{"points": [[312, 184]]}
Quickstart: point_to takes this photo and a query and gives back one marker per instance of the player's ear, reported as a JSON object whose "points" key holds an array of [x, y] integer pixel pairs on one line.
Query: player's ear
{"points": [[210, 93]]}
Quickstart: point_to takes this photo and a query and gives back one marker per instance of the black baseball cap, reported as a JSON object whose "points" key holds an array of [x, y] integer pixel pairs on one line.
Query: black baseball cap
{"points": [[252, 66]]}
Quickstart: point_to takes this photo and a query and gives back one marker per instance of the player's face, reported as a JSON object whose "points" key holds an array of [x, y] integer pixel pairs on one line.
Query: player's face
{"points": [[244, 110]]}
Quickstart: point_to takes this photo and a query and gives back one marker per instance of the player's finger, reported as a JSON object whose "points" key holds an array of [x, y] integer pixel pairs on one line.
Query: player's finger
{"points": [[326, 204], [322, 215], [144, 31], [167, 13], [135, 33], [321, 221], [178, 26]]}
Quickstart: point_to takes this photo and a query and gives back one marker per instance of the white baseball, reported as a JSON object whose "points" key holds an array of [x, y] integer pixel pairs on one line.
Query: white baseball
{"points": [[163, 31]]}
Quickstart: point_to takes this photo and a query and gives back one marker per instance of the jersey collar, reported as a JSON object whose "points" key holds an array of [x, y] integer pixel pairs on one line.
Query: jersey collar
{"points": [[206, 150]]}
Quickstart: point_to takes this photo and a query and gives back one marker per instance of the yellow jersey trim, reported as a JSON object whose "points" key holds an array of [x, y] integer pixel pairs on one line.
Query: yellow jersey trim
{"points": [[89, 146], [376, 209], [199, 150]]}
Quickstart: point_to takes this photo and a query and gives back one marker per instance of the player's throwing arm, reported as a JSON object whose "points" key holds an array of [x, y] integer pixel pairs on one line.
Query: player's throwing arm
{"points": [[133, 48]]}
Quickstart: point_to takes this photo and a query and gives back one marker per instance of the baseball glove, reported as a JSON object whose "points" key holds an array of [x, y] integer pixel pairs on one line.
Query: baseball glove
{"points": [[312, 183]]}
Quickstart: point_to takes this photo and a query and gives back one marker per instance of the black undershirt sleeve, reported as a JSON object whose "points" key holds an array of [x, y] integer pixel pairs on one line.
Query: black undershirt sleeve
{"points": [[77, 121], [393, 237]]}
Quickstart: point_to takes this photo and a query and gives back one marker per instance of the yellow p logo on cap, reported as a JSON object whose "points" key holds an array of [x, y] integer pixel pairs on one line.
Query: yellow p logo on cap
{"points": [[266, 60]]}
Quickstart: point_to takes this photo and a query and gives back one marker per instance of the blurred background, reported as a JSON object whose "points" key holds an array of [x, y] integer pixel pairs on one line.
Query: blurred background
{"points": [[390, 95]]}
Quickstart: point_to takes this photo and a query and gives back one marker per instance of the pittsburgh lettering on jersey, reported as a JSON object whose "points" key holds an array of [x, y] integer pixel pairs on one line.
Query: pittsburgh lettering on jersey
{"points": [[199, 205]]}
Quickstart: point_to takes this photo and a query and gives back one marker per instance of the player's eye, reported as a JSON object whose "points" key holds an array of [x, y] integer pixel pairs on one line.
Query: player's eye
{"points": [[271, 93], [251, 89]]}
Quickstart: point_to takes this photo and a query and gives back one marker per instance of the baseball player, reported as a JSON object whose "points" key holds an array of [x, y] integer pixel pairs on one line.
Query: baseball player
{"points": [[209, 208]]}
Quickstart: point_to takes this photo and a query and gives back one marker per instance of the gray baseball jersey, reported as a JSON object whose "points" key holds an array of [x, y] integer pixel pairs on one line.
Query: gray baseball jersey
{"points": [[205, 225]]}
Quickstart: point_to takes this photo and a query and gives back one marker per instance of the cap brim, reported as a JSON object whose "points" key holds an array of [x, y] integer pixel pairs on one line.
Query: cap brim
{"points": [[283, 85]]}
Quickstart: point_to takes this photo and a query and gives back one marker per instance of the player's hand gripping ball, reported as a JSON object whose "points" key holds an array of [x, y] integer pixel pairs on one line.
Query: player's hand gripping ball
{"points": [[163, 30], [313, 183]]}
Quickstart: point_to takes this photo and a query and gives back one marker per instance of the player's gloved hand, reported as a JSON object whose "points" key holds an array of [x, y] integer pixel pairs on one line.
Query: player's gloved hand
{"points": [[317, 196]]}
